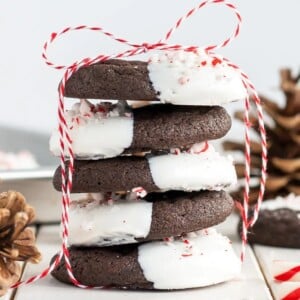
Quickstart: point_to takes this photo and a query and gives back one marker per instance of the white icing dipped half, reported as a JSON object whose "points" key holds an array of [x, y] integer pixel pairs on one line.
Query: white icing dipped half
{"points": [[194, 78], [291, 202], [106, 224], [207, 170], [97, 131], [202, 258]]}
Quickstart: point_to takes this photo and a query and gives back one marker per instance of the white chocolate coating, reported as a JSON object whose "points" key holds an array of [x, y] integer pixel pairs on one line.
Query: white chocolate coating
{"points": [[192, 172], [290, 202], [109, 224], [95, 134], [188, 78], [203, 258]]}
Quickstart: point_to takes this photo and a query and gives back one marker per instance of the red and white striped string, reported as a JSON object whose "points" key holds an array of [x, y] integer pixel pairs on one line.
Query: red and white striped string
{"points": [[286, 276], [293, 295], [67, 169]]}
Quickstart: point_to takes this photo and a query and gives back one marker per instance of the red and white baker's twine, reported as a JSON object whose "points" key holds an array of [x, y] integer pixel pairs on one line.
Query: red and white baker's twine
{"points": [[135, 49], [286, 276]]}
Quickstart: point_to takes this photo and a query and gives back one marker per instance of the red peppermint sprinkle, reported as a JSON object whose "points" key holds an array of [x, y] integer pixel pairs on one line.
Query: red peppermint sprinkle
{"points": [[140, 192], [186, 254], [101, 108], [168, 239], [194, 149], [205, 148], [216, 61], [177, 151], [183, 80]]}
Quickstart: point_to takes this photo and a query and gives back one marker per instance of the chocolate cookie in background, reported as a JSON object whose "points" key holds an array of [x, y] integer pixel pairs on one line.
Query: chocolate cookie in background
{"points": [[106, 220], [177, 77], [106, 130], [201, 168], [278, 223], [201, 258]]}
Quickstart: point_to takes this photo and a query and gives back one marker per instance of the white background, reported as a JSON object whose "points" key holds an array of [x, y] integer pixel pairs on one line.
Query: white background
{"points": [[269, 40]]}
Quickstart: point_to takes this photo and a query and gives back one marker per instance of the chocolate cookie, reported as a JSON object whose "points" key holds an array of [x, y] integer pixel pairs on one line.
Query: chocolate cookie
{"points": [[202, 258], [112, 79], [154, 217], [207, 170], [177, 77], [159, 127], [149, 128], [278, 223]]}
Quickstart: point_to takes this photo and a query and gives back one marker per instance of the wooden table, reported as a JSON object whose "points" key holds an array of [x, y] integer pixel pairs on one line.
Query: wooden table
{"points": [[255, 282]]}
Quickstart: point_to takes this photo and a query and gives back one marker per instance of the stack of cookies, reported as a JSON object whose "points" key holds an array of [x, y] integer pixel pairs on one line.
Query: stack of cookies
{"points": [[152, 184]]}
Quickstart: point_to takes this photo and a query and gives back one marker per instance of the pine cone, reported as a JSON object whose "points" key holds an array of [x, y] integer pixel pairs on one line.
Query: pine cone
{"points": [[17, 241], [283, 143]]}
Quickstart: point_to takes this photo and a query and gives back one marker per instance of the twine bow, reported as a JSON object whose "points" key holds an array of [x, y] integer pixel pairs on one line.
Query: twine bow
{"points": [[136, 49]]}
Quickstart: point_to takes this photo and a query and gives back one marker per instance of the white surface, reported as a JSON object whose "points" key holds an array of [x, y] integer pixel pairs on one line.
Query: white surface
{"points": [[105, 224], [29, 88], [95, 134], [191, 172], [188, 78], [203, 258], [249, 285], [274, 259]]}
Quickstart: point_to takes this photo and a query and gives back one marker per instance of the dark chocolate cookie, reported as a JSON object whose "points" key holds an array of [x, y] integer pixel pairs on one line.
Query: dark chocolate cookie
{"points": [[159, 127], [175, 213], [278, 227], [151, 128], [110, 267], [184, 171], [151, 265], [177, 77], [112, 79], [172, 213]]}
